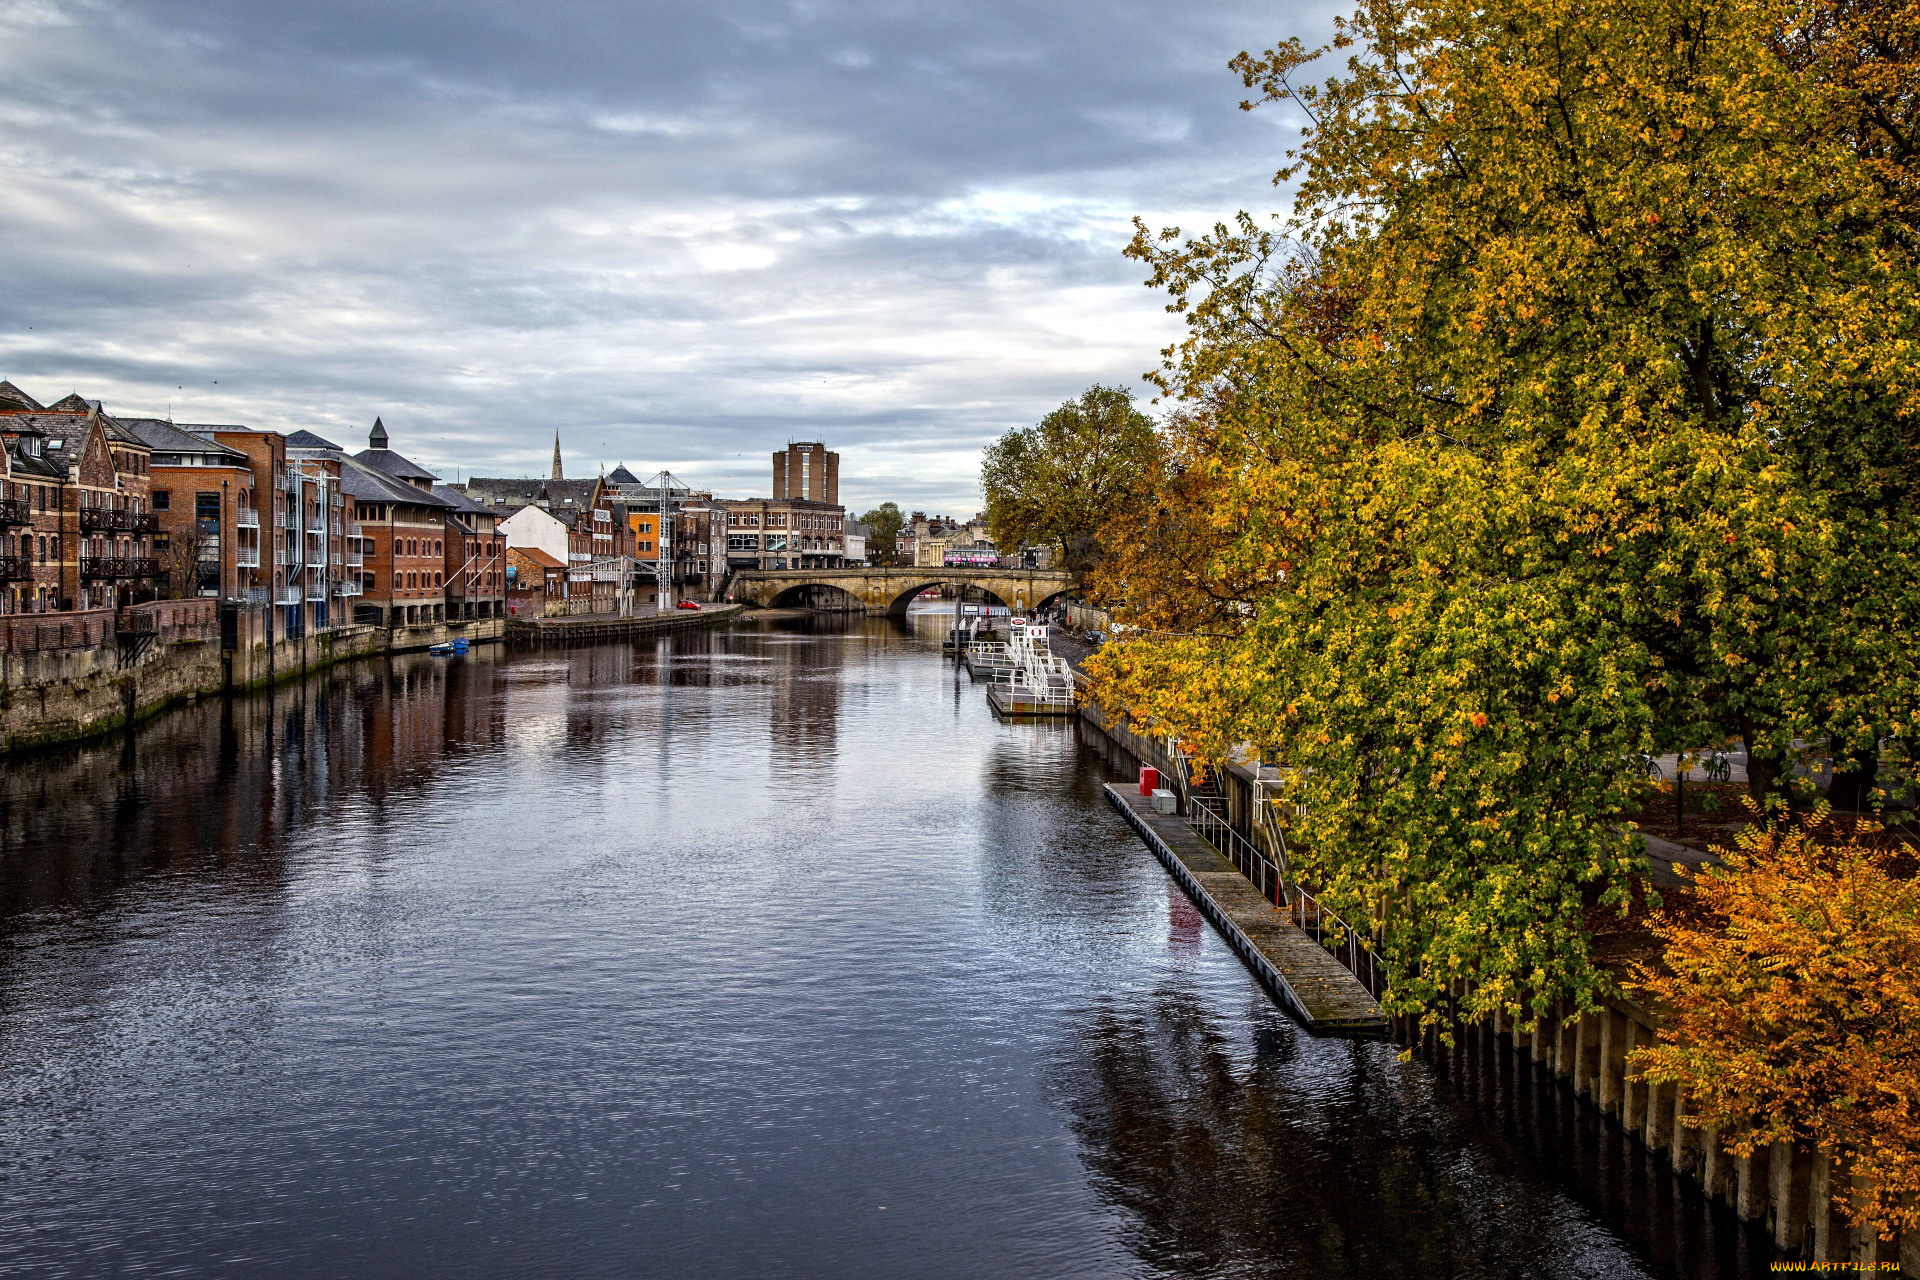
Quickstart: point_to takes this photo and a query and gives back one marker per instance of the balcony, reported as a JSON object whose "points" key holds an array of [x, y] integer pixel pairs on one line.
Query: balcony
{"points": [[355, 559], [115, 520], [16, 569], [288, 595], [114, 567], [355, 530], [246, 518], [247, 557], [13, 511], [279, 555], [350, 587], [316, 528], [317, 589]]}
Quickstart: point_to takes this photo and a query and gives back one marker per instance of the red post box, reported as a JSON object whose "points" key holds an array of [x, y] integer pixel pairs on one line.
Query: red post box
{"points": [[1149, 779]]}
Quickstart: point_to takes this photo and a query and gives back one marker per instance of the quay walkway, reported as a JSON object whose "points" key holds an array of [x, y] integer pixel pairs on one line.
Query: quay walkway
{"points": [[1300, 973]]}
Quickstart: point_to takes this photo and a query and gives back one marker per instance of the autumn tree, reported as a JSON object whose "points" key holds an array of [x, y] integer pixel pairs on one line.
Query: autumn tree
{"points": [[883, 530], [1057, 483], [1793, 982], [1569, 417]]}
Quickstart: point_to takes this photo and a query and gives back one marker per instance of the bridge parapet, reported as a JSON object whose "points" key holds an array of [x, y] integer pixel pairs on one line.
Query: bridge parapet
{"points": [[888, 591]]}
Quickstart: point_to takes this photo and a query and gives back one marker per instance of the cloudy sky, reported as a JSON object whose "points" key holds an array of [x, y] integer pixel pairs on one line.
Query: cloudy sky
{"points": [[681, 232]]}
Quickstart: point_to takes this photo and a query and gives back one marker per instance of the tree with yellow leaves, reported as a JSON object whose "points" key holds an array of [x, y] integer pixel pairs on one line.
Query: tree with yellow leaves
{"points": [[1570, 417], [1794, 987]]}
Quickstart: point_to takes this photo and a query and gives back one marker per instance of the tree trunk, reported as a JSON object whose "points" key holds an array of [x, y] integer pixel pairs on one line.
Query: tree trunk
{"points": [[1763, 773], [1854, 778]]}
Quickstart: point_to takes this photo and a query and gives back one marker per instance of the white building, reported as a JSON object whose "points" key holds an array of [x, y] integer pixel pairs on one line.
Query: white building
{"points": [[538, 528]]}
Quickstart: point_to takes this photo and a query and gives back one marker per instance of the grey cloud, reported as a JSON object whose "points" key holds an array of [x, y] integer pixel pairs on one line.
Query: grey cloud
{"points": [[678, 233]]}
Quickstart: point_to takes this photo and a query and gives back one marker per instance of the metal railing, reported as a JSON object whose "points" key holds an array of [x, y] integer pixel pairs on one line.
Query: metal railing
{"points": [[288, 595], [347, 587], [1347, 944], [247, 557], [15, 569], [117, 520], [14, 511], [119, 567], [246, 518]]}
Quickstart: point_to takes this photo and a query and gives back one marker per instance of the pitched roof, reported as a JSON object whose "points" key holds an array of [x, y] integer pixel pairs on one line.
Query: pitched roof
{"points": [[308, 440], [12, 397], [393, 464], [461, 501], [536, 555], [169, 438], [363, 484], [521, 492], [73, 404], [621, 475]]}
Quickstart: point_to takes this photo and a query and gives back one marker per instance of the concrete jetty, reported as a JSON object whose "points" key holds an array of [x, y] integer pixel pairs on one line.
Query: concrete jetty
{"points": [[1300, 973]]}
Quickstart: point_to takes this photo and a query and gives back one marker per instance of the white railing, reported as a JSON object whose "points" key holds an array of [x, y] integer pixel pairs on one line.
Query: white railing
{"points": [[247, 518], [247, 557], [347, 587], [355, 559], [279, 555], [288, 595]]}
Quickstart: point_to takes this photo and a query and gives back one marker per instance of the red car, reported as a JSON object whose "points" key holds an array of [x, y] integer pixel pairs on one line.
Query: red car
{"points": [[687, 604]]}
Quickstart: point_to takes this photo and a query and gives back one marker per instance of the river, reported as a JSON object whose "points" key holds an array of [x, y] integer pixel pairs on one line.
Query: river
{"points": [[763, 952]]}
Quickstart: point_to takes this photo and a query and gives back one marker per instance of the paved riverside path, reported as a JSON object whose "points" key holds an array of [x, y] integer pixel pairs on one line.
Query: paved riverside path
{"points": [[1306, 979]]}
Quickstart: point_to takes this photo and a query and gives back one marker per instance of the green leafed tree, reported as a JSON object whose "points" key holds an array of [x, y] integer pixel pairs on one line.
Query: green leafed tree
{"points": [[883, 528], [1570, 416], [1059, 482]]}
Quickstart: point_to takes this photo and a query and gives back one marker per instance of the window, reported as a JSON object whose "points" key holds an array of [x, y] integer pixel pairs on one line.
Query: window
{"points": [[162, 500]]}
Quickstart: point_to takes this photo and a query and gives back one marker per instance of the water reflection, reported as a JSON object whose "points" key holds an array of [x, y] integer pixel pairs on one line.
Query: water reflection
{"points": [[764, 951]]}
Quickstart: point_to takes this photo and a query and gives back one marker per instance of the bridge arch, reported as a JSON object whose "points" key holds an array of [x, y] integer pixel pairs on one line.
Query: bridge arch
{"points": [[897, 607], [817, 595], [887, 589]]}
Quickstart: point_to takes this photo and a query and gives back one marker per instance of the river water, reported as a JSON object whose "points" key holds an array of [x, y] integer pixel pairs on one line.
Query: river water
{"points": [[755, 953]]}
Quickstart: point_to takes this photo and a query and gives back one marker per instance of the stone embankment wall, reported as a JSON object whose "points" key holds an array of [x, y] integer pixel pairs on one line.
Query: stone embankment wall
{"points": [[1785, 1190], [68, 676], [577, 629]]}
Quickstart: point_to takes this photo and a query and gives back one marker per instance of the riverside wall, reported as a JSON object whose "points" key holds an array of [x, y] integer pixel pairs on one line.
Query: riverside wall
{"points": [[1580, 1060], [586, 628], [68, 677]]}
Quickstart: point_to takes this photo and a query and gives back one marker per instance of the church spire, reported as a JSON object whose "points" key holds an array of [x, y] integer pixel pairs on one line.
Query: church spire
{"points": [[556, 456]]}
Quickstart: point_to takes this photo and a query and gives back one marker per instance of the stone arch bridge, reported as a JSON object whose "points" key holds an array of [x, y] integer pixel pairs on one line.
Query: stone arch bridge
{"points": [[888, 591]]}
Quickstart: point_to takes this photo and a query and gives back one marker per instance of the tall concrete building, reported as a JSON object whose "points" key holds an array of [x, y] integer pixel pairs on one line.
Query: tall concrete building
{"points": [[808, 472]]}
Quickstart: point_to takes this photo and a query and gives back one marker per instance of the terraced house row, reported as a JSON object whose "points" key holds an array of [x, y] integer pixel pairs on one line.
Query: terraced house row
{"points": [[100, 511]]}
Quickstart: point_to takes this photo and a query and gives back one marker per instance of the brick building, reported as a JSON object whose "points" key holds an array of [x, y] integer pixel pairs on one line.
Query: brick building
{"points": [[779, 533], [209, 538], [78, 520], [32, 499], [807, 472], [403, 534], [476, 557]]}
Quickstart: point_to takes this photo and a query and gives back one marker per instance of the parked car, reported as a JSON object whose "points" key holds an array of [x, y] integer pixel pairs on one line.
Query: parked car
{"points": [[688, 604]]}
